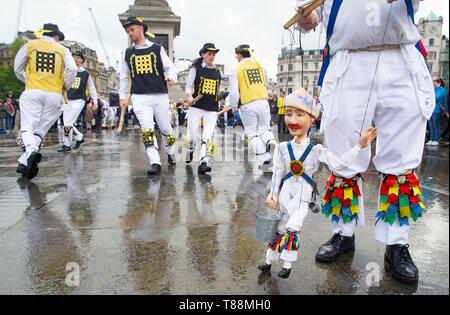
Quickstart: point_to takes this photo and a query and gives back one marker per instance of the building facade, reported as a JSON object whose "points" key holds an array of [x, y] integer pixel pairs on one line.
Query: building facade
{"points": [[298, 69], [436, 44]]}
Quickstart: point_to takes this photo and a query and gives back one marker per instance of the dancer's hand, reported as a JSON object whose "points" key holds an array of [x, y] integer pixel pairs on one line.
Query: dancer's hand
{"points": [[170, 81], [367, 137], [272, 200], [123, 104]]}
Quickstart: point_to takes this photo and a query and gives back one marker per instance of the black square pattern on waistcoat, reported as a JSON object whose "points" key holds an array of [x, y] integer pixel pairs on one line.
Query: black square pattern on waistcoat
{"points": [[45, 62], [254, 76]]}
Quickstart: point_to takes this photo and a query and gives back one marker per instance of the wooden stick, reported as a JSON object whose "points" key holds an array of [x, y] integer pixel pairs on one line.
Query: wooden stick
{"points": [[195, 100], [122, 116], [224, 110], [302, 11]]}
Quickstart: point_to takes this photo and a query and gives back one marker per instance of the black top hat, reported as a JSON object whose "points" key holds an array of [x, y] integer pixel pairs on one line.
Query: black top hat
{"points": [[79, 54], [132, 20], [242, 49], [52, 30], [208, 47]]}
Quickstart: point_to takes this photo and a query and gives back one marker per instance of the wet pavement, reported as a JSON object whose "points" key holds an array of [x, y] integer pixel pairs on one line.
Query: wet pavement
{"points": [[181, 233]]}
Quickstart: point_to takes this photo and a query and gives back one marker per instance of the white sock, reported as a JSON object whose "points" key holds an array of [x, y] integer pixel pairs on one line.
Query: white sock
{"points": [[268, 262], [287, 265]]}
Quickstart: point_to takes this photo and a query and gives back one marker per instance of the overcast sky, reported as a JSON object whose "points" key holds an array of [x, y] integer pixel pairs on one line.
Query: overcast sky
{"points": [[227, 23]]}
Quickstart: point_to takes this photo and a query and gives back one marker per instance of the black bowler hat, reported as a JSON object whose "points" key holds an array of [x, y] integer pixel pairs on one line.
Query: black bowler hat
{"points": [[50, 29], [242, 48], [133, 20], [208, 47], [79, 54]]}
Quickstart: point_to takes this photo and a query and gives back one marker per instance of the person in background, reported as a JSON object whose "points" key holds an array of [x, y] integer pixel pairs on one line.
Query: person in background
{"points": [[444, 135], [11, 113], [15, 104], [3, 114], [435, 120], [281, 124]]}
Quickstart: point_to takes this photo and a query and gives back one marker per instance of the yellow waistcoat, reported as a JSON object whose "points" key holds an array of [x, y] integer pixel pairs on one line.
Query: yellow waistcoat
{"points": [[45, 67], [252, 81]]}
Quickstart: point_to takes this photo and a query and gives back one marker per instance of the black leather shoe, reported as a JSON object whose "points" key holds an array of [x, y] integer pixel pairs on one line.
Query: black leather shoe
{"points": [[401, 265], [65, 149], [337, 245], [204, 168], [155, 170], [170, 160], [264, 267], [33, 161], [77, 145], [21, 169], [284, 273], [189, 157]]}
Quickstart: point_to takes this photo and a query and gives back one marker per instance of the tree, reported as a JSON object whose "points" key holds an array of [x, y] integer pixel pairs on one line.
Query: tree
{"points": [[8, 79]]}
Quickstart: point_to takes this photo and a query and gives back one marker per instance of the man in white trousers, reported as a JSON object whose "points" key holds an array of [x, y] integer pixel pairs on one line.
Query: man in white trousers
{"points": [[248, 92], [76, 97], [375, 71], [150, 70], [203, 79], [45, 67]]}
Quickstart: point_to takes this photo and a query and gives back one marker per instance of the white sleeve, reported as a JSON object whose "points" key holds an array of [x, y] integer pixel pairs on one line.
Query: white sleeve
{"points": [[190, 81], [278, 169], [20, 62], [70, 71], [334, 162], [124, 78], [416, 5], [92, 90], [169, 68], [234, 90]]}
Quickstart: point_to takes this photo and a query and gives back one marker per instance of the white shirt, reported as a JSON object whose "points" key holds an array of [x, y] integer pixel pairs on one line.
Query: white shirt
{"points": [[296, 186], [91, 87], [170, 70], [234, 96], [191, 78], [70, 68], [361, 23]]}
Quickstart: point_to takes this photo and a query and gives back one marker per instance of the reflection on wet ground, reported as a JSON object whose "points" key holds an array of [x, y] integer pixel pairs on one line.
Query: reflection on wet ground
{"points": [[181, 233]]}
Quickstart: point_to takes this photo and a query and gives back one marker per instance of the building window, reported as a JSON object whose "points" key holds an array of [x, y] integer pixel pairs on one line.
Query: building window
{"points": [[281, 80], [316, 65], [431, 42], [281, 68], [289, 90], [289, 79], [430, 66], [306, 66], [291, 67]]}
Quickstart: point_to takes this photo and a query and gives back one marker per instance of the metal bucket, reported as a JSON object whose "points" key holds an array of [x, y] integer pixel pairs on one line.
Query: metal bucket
{"points": [[266, 226]]}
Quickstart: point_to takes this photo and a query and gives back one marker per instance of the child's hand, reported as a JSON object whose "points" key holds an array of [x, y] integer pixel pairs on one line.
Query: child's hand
{"points": [[367, 137], [272, 200]]}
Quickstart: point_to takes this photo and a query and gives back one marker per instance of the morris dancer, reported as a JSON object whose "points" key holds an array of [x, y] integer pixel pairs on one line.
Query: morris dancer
{"points": [[77, 99], [151, 70], [45, 66], [248, 92], [204, 79]]}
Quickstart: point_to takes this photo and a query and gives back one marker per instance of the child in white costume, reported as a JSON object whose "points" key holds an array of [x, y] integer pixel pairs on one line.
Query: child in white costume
{"points": [[293, 187]]}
